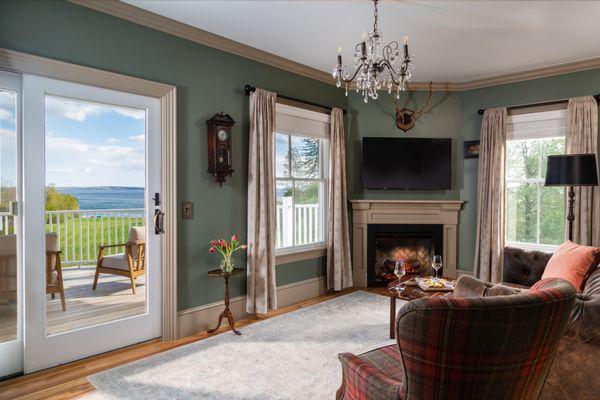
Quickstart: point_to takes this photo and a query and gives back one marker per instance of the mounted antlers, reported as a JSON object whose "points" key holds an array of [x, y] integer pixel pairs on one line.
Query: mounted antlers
{"points": [[406, 118]]}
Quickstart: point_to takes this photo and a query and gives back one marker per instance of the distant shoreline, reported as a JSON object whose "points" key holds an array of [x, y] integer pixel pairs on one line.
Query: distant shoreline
{"points": [[106, 197]]}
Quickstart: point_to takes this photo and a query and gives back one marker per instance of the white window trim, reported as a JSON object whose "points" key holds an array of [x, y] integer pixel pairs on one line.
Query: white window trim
{"points": [[533, 246], [549, 122], [290, 254], [302, 113]]}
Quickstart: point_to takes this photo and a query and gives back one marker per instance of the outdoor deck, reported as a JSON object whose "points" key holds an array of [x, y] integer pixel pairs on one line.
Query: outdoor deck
{"points": [[111, 300]]}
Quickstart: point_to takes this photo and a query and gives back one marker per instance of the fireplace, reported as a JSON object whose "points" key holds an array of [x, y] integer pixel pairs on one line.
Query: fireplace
{"points": [[399, 213], [388, 243]]}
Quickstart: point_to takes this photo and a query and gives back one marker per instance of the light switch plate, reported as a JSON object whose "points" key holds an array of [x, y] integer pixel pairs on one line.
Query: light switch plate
{"points": [[186, 210]]}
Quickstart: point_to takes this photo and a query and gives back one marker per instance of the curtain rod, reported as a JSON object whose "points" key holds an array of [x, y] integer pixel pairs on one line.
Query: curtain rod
{"points": [[548, 103], [249, 89]]}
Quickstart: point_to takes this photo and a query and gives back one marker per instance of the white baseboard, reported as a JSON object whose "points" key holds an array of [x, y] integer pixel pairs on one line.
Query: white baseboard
{"points": [[198, 319]]}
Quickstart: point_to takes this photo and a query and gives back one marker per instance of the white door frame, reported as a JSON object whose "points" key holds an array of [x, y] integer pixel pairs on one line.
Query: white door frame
{"points": [[42, 350], [11, 353], [19, 62]]}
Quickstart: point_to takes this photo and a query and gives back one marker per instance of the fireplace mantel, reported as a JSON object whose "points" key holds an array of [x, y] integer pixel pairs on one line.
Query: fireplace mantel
{"points": [[365, 212]]}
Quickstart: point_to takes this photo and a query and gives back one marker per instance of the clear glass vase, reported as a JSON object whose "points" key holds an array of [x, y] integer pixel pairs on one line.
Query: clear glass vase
{"points": [[227, 264]]}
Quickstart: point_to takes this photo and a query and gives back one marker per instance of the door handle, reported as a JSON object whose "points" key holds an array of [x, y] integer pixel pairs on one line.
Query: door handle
{"points": [[158, 222], [14, 208]]}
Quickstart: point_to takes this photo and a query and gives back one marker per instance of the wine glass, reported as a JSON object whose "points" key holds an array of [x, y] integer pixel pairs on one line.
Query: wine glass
{"points": [[399, 271], [436, 263]]}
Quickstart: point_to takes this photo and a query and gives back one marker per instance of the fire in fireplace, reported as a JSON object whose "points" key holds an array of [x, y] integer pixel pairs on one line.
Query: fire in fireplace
{"points": [[415, 244]]}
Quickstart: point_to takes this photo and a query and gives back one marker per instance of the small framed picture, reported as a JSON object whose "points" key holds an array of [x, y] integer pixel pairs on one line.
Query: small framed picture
{"points": [[471, 148]]}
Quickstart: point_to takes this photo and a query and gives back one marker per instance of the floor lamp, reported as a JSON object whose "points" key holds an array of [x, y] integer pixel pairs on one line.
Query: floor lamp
{"points": [[572, 170]]}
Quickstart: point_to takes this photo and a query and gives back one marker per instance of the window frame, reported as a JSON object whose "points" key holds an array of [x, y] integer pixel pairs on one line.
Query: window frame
{"points": [[538, 181], [300, 252]]}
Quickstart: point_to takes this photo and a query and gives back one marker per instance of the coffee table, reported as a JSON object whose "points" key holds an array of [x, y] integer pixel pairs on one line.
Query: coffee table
{"points": [[409, 293]]}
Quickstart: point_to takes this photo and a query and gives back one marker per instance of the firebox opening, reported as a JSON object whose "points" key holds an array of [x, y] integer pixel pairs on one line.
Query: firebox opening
{"points": [[415, 244]]}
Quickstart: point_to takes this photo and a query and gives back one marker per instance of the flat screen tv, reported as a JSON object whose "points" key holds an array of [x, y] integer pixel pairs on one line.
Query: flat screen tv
{"points": [[406, 163]]}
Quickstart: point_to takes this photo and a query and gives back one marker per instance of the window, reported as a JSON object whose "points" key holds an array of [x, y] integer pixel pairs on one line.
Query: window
{"points": [[535, 214], [301, 168]]}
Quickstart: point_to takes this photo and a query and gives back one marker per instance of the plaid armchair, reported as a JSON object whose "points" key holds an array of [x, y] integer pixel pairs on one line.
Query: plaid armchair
{"points": [[465, 348]]}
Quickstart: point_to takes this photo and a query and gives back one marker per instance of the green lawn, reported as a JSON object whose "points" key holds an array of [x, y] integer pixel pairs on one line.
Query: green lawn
{"points": [[80, 232]]}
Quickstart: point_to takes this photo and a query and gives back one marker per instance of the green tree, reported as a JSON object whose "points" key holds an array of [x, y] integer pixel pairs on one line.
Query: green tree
{"points": [[525, 170], [57, 201]]}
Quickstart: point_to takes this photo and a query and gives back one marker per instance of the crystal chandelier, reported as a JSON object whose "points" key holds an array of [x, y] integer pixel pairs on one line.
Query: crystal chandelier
{"points": [[377, 67]]}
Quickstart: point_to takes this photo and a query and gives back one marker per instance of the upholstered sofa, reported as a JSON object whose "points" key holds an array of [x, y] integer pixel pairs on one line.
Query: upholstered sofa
{"points": [[574, 372], [498, 347]]}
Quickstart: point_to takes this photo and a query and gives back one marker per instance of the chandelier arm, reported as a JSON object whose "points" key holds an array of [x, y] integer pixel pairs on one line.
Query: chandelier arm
{"points": [[353, 76], [393, 74]]}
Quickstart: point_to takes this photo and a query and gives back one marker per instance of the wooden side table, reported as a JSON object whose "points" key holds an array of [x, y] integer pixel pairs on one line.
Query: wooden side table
{"points": [[409, 293], [226, 312]]}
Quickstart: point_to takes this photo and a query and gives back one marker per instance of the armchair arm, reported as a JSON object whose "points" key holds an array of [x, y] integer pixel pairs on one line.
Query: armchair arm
{"points": [[360, 380], [468, 286]]}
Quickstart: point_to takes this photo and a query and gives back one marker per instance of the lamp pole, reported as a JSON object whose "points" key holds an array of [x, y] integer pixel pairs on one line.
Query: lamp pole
{"points": [[571, 216]]}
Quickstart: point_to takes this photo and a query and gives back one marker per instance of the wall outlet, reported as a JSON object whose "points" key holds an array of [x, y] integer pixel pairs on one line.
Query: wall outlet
{"points": [[186, 210]]}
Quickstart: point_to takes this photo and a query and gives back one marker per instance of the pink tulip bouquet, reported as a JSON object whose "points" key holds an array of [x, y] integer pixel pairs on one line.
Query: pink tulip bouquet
{"points": [[226, 248]]}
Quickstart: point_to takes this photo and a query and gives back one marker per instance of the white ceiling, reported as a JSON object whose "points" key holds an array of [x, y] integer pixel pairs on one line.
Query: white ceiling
{"points": [[453, 41]]}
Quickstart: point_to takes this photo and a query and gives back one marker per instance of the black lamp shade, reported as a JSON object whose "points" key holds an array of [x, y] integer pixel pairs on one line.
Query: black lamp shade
{"points": [[572, 170]]}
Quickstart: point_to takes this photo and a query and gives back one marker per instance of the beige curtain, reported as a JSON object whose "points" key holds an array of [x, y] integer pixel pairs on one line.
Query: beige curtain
{"points": [[489, 241], [582, 137], [339, 265], [261, 293]]}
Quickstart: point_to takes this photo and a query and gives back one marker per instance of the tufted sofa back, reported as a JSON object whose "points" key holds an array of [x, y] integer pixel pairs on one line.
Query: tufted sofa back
{"points": [[524, 267]]}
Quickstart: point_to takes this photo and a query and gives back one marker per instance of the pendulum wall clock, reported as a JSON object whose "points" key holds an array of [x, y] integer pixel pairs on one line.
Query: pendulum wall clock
{"points": [[219, 146]]}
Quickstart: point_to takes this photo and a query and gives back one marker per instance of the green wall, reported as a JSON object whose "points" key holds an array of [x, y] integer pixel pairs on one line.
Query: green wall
{"points": [[534, 91], [452, 115], [207, 81]]}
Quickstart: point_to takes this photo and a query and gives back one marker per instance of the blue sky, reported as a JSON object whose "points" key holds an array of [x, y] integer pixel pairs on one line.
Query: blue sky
{"points": [[89, 144], [8, 149]]}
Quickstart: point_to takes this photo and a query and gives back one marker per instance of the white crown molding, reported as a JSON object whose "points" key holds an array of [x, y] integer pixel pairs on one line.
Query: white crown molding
{"points": [[188, 32], [536, 73]]}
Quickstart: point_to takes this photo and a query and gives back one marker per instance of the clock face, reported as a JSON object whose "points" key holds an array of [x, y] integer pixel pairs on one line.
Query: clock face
{"points": [[222, 135]]}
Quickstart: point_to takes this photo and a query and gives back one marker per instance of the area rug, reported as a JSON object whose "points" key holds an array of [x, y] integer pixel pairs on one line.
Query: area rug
{"points": [[291, 356]]}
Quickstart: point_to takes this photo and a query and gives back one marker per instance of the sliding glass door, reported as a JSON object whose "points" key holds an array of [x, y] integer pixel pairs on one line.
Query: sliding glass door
{"points": [[92, 169], [11, 277]]}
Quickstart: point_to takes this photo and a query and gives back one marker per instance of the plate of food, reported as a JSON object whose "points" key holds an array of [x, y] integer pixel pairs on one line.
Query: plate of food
{"points": [[432, 284]]}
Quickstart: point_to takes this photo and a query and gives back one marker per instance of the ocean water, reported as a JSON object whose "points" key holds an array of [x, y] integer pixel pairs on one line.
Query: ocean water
{"points": [[106, 197]]}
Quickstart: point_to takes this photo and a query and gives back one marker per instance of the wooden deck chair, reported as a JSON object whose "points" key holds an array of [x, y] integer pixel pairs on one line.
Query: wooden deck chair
{"points": [[130, 264], [8, 269], [54, 278]]}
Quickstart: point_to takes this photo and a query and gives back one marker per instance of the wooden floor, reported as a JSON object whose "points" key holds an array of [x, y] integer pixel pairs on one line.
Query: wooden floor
{"points": [[69, 381], [111, 300]]}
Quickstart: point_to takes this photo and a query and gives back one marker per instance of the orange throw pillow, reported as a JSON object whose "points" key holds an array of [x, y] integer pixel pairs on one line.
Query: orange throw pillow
{"points": [[573, 262]]}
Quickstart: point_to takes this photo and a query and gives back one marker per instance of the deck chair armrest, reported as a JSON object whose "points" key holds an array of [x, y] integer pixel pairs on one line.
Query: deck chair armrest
{"points": [[106, 246]]}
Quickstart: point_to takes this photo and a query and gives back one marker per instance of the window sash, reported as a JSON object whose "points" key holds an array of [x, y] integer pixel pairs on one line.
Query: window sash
{"points": [[538, 181], [322, 189]]}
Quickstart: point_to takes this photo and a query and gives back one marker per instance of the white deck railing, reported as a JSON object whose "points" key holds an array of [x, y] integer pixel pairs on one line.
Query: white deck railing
{"points": [[306, 218], [81, 232]]}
